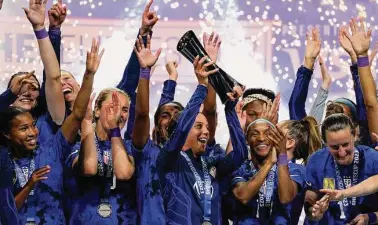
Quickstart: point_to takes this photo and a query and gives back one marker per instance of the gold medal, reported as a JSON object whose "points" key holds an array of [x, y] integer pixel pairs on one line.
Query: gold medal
{"points": [[329, 183]]}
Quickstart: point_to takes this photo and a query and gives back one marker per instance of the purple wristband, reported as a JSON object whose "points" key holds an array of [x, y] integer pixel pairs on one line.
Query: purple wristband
{"points": [[282, 160], [41, 34], [145, 73], [115, 132], [363, 61]]}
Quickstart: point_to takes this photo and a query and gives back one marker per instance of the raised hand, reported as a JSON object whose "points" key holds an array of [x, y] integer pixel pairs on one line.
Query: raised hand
{"points": [[36, 13], [201, 70], [278, 139], [93, 58], [320, 207], [145, 57], [326, 78], [171, 68], [57, 14], [212, 45], [270, 112], [21, 80], [113, 112], [237, 92], [149, 19], [360, 39], [313, 47], [345, 43], [241, 114], [38, 175], [334, 195]]}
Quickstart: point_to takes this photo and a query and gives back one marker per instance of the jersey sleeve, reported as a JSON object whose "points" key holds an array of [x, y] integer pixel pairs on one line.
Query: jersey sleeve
{"points": [[238, 176], [312, 175], [297, 174]]}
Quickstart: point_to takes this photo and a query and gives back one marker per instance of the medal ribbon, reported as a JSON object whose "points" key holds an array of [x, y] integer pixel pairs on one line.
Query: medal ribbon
{"points": [[205, 192], [340, 183], [23, 178], [107, 178]]}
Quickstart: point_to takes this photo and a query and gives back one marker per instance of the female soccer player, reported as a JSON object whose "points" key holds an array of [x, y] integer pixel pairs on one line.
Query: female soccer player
{"points": [[39, 198], [264, 186], [24, 90], [191, 195], [341, 164], [102, 192], [302, 140]]}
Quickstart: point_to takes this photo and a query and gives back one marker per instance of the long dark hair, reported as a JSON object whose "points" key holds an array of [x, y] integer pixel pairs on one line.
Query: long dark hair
{"points": [[158, 134], [335, 123], [6, 118], [306, 134]]}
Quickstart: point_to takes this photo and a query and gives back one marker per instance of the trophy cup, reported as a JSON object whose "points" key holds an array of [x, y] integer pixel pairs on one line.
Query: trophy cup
{"points": [[189, 46]]}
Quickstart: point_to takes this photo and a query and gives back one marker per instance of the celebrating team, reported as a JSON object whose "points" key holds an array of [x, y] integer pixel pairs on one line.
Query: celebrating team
{"points": [[63, 163]]}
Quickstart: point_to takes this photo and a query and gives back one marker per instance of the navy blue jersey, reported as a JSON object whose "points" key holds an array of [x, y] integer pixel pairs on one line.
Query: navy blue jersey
{"points": [[8, 211], [321, 165], [48, 206], [85, 194], [149, 200], [180, 189], [277, 213]]}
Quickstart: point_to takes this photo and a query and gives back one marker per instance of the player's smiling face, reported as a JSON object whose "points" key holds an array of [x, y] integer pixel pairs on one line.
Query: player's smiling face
{"points": [[341, 145]]}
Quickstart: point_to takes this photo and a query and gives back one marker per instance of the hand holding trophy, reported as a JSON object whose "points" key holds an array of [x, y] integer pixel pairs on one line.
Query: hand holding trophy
{"points": [[190, 47]]}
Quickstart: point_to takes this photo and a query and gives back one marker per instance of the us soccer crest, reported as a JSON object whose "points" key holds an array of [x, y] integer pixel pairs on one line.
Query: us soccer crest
{"points": [[329, 183]]}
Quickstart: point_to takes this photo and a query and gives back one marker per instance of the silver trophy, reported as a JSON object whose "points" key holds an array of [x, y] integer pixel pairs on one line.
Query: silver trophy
{"points": [[189, 46]]}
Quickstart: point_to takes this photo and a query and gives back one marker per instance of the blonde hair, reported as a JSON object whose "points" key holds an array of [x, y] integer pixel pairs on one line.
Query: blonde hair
{"points": [[104, 94]]}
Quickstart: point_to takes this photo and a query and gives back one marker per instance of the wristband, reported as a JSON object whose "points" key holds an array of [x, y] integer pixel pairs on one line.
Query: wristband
{"points": [[363, 61], [372, 218], [115, 132], [41, 34], [145, 73], [282, 160]]}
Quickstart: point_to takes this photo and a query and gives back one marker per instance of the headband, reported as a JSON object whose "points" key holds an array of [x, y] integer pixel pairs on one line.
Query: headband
{"points": [[349, 104], [260, 121], [253, 97]]}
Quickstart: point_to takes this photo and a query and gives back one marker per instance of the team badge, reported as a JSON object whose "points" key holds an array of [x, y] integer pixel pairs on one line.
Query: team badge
{"points": [[329, 183]]}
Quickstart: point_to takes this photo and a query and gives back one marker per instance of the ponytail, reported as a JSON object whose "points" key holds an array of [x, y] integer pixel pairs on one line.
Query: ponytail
{"points": [[314, 142]]}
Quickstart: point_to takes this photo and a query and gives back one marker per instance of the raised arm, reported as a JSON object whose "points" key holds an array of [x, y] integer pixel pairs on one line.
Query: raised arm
{"points": [[54, 94], [239, 152], [287, 188], [361, 41], [122, 162], [173, 146], [317, 109], [57, 15], [142, 118], [169, 88], [72, 124], [244, 190], [298, 97], [211, 45], [130, 79], [87, 158]]}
